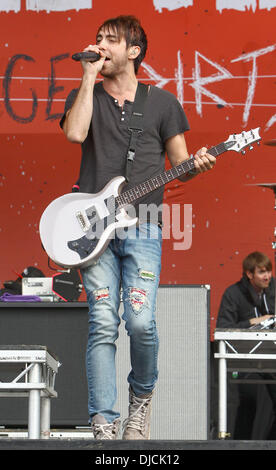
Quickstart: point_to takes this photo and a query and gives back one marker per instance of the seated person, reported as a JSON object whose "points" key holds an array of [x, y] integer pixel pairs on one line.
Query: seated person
{"points": [[246, 304]]}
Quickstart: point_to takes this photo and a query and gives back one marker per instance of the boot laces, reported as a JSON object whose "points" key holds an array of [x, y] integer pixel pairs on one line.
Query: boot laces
{"points": [[104, 431], [137, 413]]}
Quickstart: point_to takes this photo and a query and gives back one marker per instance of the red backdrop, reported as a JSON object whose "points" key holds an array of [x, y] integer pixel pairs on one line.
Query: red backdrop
{"points": [[217, 58]]}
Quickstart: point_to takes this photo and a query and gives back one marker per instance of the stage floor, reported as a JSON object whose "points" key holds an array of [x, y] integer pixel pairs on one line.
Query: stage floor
{"points": [[159, 447]]}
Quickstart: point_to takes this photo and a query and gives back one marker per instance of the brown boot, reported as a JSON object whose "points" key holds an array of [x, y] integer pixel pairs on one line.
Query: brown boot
{"points": [[137, 425]]}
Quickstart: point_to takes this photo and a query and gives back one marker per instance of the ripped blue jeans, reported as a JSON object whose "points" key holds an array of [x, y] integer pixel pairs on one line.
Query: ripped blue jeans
{"points": [[132, 264]]}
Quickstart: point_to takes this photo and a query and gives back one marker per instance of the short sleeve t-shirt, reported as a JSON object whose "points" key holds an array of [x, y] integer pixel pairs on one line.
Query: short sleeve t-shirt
{"points": [[105, 148]]}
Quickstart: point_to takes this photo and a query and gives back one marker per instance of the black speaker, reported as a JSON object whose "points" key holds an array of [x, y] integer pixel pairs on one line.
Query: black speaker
{"points": [[62, 327], [68, 286]]}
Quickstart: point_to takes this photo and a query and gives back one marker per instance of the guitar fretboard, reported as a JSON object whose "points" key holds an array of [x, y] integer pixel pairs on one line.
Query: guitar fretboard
{"points": [[140, 190]]}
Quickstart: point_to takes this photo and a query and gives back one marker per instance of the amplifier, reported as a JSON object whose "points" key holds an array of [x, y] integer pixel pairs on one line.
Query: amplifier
{"points": [[39, 286], [62, 286]]}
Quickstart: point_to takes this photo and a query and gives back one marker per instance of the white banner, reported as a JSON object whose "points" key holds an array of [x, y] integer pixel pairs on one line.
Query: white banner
{"points": [[58, 5]]}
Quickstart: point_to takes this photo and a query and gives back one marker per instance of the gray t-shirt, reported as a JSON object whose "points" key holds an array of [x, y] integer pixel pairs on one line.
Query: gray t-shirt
{"points": [[105, 148]]}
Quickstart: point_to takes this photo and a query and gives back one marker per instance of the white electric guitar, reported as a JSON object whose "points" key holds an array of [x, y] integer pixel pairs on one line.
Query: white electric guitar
{"points": [[76, 228]]}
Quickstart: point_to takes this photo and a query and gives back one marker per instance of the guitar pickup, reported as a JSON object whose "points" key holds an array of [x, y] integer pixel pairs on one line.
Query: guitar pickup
{"points": [[83, 221]]}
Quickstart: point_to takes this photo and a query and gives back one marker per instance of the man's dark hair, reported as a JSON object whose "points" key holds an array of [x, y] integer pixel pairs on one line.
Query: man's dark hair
{"points": [[129, 28], [254, 260]]}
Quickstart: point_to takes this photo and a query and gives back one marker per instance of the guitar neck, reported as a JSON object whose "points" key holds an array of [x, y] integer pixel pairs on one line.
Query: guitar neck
{"points": [[131, 195]]}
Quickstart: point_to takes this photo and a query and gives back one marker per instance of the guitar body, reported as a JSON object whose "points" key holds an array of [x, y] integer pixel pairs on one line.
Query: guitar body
{"points": [[76, 228]]}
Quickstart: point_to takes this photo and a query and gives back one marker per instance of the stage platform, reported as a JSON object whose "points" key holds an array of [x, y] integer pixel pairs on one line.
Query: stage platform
{"points": [[124, 448]]}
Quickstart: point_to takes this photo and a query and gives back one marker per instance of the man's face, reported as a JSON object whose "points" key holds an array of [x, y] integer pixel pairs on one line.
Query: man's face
{"points": [[116, 52], [260, 279]]}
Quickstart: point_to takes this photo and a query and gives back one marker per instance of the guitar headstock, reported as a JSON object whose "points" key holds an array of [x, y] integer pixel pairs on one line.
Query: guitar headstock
{"points": [[238, 142]]}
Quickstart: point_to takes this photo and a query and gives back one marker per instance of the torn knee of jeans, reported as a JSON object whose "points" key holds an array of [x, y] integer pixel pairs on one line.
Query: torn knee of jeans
{"points": [[146, 275], [101, 294], [137, 298]]}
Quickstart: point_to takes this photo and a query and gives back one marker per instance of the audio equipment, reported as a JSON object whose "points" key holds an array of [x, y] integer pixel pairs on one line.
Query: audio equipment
{"points": [[181, 398], [88, 56]]}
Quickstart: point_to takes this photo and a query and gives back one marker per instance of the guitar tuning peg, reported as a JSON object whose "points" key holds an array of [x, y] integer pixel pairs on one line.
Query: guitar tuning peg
{"points": [[251, 147], [243, 152]]}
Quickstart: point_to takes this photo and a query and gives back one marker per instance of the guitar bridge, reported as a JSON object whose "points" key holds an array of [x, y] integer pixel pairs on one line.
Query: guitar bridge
{"points": [[85, 225]]}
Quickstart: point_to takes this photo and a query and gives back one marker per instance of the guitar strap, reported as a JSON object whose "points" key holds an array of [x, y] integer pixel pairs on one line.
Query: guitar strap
{"points": [[135, 125]]}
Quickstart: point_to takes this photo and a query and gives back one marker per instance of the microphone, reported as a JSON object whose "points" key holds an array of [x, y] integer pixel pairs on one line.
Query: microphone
{"points": [[88, 56]]}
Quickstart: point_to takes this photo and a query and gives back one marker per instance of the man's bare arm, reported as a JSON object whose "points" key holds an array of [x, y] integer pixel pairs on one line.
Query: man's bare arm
{"points": [[177, 153], [78, 117]]}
